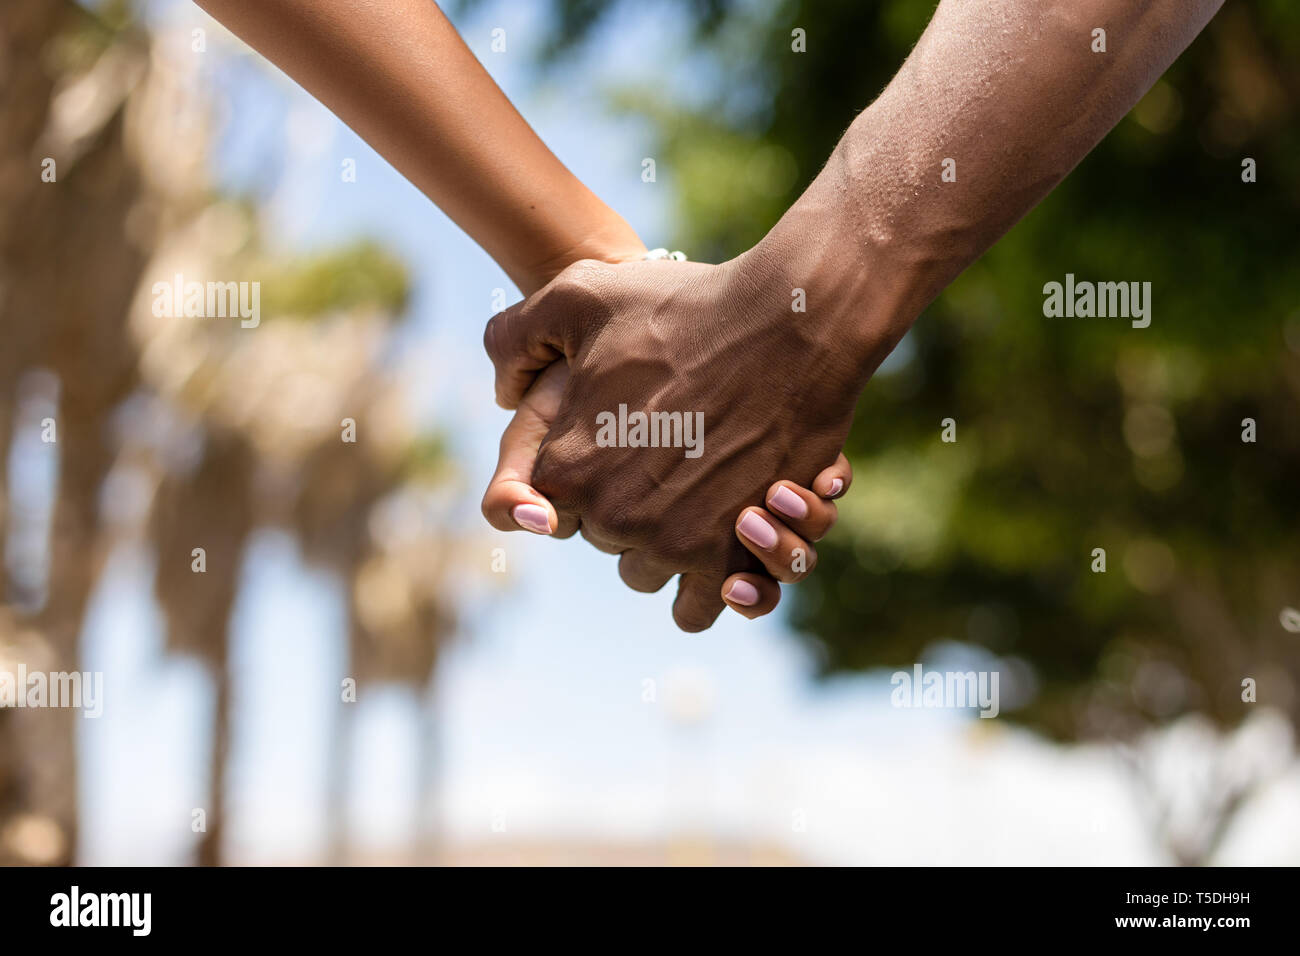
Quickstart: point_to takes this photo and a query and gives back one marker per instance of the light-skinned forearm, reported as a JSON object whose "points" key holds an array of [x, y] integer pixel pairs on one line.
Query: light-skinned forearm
{"points": [[397, 72], [1010, 91]]}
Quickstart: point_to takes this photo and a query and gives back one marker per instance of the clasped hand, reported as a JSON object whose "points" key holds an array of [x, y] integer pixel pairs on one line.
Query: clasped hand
{"points": [[715, 346]]}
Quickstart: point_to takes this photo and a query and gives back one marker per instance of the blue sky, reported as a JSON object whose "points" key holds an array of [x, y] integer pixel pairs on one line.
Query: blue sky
{"points": [[540, 711]]}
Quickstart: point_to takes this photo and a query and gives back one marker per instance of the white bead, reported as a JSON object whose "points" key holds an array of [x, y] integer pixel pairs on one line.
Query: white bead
{"points": [[661, 253]]}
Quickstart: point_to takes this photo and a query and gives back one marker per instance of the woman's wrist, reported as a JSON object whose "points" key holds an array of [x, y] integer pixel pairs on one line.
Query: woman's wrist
{"points": [[609, 239]]}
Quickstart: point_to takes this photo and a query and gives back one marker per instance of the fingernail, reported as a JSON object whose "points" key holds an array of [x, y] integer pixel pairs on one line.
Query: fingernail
{"points": [[532, 518], [758, 531], [742, 592], [788, 503], [837, 485]]}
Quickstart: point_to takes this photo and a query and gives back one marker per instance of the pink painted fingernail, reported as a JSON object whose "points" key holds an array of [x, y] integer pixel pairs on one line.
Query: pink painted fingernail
{"points": [[532, 518], [742, 592], [757, 530], [788, 503], [836, 487]]}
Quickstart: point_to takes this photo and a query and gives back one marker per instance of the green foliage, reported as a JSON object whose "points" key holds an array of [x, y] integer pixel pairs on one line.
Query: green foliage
{"points": [[363, 273], [1073, 434]]}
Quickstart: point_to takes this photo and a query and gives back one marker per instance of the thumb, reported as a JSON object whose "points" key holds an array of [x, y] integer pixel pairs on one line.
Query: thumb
{"points": [[511, 502]]}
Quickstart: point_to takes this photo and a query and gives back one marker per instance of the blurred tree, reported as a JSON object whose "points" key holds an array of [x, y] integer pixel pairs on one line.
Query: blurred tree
{"points": [[297, 424], [67, 279], [1072, 434]]}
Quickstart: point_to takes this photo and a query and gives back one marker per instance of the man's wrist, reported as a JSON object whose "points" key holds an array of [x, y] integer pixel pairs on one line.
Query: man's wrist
{"points": [[856, 295]]}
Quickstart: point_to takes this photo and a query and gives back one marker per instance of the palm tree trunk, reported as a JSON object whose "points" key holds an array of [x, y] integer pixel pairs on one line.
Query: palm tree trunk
{"points": [[210, 846]]}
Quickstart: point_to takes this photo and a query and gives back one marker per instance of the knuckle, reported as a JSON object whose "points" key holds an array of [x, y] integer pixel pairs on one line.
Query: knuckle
{"points": [[686, 549], [628, 576], [492, 333], [555, 476], [623, 522], [580, 285], [692, 619], [583, 275], [596, 541], [640, 578]]}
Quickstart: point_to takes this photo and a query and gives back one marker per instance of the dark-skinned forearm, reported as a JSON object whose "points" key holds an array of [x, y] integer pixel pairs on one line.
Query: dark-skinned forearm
{"points": [[1013, 94]]}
